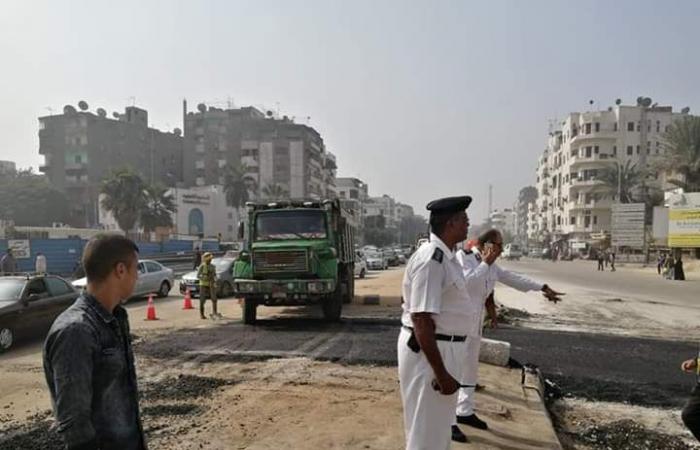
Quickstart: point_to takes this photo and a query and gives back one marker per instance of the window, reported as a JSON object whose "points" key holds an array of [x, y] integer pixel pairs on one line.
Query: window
{"points": [[588, 128], [658, 126], [614, 150], [58, 287], [639, 126], [37, 287], [596, 149], [657, 147], [153, 266], [630, 126], [597, 127], [588, 152], [615, 126], [587, 221], [78, 159], [230, 228], [572, 220], [639, 149], [630, 151], [595, 220]]}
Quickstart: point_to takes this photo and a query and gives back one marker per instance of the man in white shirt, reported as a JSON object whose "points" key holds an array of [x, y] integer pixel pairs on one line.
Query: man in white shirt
{"points": [[40, 264], [432, 343], [471, 260]]}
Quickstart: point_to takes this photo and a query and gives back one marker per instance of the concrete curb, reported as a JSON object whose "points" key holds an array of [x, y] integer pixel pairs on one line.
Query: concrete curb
{"points": [[533, 381]]}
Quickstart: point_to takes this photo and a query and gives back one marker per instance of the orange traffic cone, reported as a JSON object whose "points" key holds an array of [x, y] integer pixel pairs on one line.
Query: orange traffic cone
{"points": [[151, 310], [188, 300]]}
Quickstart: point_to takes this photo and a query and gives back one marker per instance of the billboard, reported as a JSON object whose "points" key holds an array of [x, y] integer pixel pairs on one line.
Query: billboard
{"points": [[684, 220], [627, 228]]}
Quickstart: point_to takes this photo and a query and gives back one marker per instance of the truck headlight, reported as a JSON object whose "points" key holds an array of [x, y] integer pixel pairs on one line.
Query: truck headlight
{"points": [[314, 286], [245, 287]]}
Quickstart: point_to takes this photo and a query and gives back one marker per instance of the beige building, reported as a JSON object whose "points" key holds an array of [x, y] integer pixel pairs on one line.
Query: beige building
{"points": [[572, 201]]}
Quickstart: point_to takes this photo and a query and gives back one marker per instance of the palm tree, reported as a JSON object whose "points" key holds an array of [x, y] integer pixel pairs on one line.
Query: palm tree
{"points": [[234, 186], [158, 209], [274, 192], [124, 196], [682, 153], [622, 180]]}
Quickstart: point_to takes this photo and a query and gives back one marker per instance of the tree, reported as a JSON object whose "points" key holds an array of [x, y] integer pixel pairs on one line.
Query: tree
{"points": [[625, 179], [235, 188], [125, 197], [274, 192], [411, 227], [158, 209], [682, 153], [30, 200]]}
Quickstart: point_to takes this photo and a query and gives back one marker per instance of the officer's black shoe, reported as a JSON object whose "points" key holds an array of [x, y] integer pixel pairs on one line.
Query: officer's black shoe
{"points": [[457, 435], [473, 421]]}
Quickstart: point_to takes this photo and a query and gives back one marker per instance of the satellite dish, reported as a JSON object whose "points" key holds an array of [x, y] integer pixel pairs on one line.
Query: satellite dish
{"points": [[69, 110], [639, 101], [202, 107], [101, 112], [646, 102], [269, 113], [82, 104], [685, 110], [115, 115], [590, 102], [177, 132], [618, 101]]}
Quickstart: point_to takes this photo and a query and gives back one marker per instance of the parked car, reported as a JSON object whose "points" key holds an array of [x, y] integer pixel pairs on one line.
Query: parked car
{"points": [[512, 251], [391, 256], [360, 265], [224, 278], [29, 305], [154, 278], [376, 260]]}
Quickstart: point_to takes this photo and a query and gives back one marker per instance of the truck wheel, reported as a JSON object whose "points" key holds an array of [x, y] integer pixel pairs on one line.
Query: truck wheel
{"points": [[250, 309], [333, 305], [349, 293]]}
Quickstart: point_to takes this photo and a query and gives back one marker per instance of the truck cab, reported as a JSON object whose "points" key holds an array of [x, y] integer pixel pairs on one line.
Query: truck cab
{"points": [[295, 253]]}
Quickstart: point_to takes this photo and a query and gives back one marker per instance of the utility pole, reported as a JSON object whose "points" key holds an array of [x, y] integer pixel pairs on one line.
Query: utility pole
{"points": [[488, 217]]}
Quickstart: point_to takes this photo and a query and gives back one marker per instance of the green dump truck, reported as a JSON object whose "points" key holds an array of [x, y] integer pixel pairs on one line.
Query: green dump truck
{"points": [[295, 253]]}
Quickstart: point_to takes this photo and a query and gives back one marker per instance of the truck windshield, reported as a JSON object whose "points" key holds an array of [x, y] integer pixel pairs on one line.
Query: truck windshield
{"points": [[279, 225]]}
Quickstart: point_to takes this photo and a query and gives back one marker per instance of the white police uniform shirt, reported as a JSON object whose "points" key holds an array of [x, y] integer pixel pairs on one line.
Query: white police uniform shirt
{"points": [[433, 283]]}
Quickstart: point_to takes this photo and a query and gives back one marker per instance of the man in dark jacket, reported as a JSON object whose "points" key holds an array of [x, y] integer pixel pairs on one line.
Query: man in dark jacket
{"points": [[88, 360]]}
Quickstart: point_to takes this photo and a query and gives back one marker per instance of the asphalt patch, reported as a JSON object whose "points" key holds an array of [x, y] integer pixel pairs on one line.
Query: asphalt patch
{"points": [[183, 387], [629, 435], [34, 434]]}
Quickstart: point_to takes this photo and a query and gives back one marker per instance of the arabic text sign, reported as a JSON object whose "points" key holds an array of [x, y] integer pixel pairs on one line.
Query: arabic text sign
{"points": [[628, 225]]}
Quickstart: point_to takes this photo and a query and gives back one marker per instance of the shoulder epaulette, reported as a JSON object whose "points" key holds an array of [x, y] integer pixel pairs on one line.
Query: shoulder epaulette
{"points": [[438, 255], [477, 256], [467, 252]]}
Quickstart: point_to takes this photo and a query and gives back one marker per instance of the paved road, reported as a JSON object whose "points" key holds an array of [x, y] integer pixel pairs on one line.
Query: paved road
{"points": [[627, 282]]}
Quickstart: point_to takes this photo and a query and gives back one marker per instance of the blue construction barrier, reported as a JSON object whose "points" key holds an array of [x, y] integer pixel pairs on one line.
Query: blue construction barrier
{"points": [[63, 255]]}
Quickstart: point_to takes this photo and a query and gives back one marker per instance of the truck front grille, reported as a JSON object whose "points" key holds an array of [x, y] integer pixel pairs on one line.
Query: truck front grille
{"points": [[269, 261]]}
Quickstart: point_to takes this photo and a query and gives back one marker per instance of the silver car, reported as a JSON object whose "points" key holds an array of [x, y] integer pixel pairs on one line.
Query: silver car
{"points": [[154, 278]]}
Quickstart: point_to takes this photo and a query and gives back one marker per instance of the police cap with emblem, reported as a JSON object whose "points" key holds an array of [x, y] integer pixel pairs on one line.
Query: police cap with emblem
{"points": [[449, 205]]}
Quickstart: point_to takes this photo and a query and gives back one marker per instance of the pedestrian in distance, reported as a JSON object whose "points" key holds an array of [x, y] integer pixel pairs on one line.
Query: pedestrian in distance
{"points": [[601, 258], [470, 259], [660, 263], [668, 267], [432, 342], [88, 359], [206, 274], [8, 263], [691, 411], [612, 261], [678, 272], [40, 263], [197, 258]]}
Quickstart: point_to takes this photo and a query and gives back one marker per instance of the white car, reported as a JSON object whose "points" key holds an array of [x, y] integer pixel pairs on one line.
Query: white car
{"points": [[154, 278], [512, 251], [360, 265], [376, 260]]}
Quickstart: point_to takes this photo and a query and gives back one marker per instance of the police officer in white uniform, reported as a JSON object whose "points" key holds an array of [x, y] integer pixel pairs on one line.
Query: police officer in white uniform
{"points": [[490, 242], [431, 346]]}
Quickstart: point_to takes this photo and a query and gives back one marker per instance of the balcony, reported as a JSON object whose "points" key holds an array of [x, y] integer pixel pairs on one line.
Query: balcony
{"points": [[249, 161], [598, 204], [598, 160], [600, 135], [76, 167], [576, 183], [44, 168]]}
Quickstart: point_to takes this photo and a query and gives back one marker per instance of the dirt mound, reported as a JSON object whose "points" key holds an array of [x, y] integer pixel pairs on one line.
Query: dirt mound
{"points": [[629, 435], [183, 387], [166, 410]]}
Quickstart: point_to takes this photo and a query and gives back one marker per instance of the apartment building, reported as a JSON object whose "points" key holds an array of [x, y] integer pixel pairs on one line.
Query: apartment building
{"points": [[81, 147], [274, 152], [573, 201], [526, 197]]}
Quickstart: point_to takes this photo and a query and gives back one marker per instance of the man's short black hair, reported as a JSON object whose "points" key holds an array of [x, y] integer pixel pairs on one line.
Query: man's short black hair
{"points": [[438, 221], [104, 251], [489, 236]]}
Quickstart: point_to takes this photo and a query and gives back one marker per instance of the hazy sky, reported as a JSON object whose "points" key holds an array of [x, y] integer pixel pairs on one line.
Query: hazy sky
{"points": [[420, 99]]}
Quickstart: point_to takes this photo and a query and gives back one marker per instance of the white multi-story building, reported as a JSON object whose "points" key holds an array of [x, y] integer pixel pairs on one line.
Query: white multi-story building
{"points": [[572, 201], [382, 206], [504, 220]]}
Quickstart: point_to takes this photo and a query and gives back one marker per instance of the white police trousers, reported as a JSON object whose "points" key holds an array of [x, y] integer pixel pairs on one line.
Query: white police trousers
{"points": [[427, 414], [470, 372]]}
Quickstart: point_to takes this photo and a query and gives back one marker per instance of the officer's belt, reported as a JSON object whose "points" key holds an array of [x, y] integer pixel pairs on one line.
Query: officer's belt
{"points": [[442, 337]]}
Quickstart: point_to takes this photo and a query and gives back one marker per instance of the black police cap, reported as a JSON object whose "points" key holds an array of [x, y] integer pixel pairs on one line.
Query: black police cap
{"points": [[449, 204]]}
